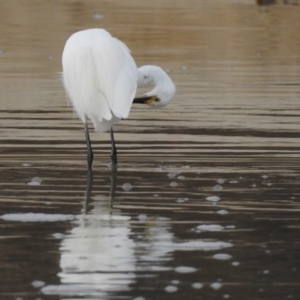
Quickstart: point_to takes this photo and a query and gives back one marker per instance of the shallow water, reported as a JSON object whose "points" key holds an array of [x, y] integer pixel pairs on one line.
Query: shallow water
{"points": [[205, 201]]}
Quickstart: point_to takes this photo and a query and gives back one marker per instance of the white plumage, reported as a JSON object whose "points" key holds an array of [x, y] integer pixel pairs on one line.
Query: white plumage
{"points": [[101, 78]]}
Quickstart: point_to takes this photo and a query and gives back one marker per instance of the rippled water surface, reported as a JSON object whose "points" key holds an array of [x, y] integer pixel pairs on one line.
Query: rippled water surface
{"points": [[205, 201]]}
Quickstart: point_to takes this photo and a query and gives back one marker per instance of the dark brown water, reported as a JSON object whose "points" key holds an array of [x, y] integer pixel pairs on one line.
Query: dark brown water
{"points": [[205, 202]]}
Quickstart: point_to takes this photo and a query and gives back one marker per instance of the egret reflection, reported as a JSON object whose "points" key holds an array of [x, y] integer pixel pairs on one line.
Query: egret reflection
{"points": [[104, 253]]}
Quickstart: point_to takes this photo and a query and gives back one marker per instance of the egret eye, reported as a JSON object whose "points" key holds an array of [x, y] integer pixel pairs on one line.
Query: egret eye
{"points": [[157, 99]]}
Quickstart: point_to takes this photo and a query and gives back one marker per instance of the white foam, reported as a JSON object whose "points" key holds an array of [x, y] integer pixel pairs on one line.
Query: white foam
{"points": [[211, 227], [58, 235], [172, 175], [183, 269], [31, 183], [26, 165], [185, 167], [35, 181], [213, 198], [197, 285], [142, 217], [200, 246], [37, 283], [173, 184], [127, 187], [175, 282], [216, 285], [222, 256], [181, 177], [181, 200], [222, 212], [220, 181], [36, 217], [171, 289], [265, 176], [235, 263], [217, 188], [233, 181], [230, 226]]}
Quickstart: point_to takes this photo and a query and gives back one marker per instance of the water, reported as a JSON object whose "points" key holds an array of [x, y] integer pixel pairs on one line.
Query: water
{"points": [[205, 201]]}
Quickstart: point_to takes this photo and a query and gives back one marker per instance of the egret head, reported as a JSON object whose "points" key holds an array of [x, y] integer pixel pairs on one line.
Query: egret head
{"points": [[164, 89]]}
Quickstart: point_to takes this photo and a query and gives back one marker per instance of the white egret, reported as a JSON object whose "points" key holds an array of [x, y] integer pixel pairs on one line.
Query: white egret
{"points": [[101, 78]]}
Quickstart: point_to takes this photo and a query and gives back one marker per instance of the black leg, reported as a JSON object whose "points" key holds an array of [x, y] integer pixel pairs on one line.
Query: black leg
{"points": [[113, 185], [113, 153], [87, 196], [90, 154]]}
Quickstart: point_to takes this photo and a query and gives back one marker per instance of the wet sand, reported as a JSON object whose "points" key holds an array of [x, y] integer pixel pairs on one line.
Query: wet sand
{"points": [[205, 201]]}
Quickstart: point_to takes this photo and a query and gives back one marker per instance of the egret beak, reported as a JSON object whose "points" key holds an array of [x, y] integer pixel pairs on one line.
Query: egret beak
{"points": [[145, 100]]}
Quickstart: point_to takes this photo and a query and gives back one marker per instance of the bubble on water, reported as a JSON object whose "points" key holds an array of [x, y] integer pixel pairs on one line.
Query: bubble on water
{"points": [[98, 16], [184, 68], [235, 263], [158, 169], [173, 184], [233, 181], [269, 184], [175, 282], [213, 198], [226, 296], [212, 227], [181, 200], [222, 256], [265, 176], [216, 285], [172, 175], [58, 235], [183, 269], [127, 187], [217, 188], [220, 181], [197, 285], [35, 181], [37, 283], [26, 165], [142, 217], [266, 271], [185, 167], [171, 289], [222, 212], [253, 185], [36, 217], [155, 195], [293, 198], [181, 177], [139, 298], [230, 226]]}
